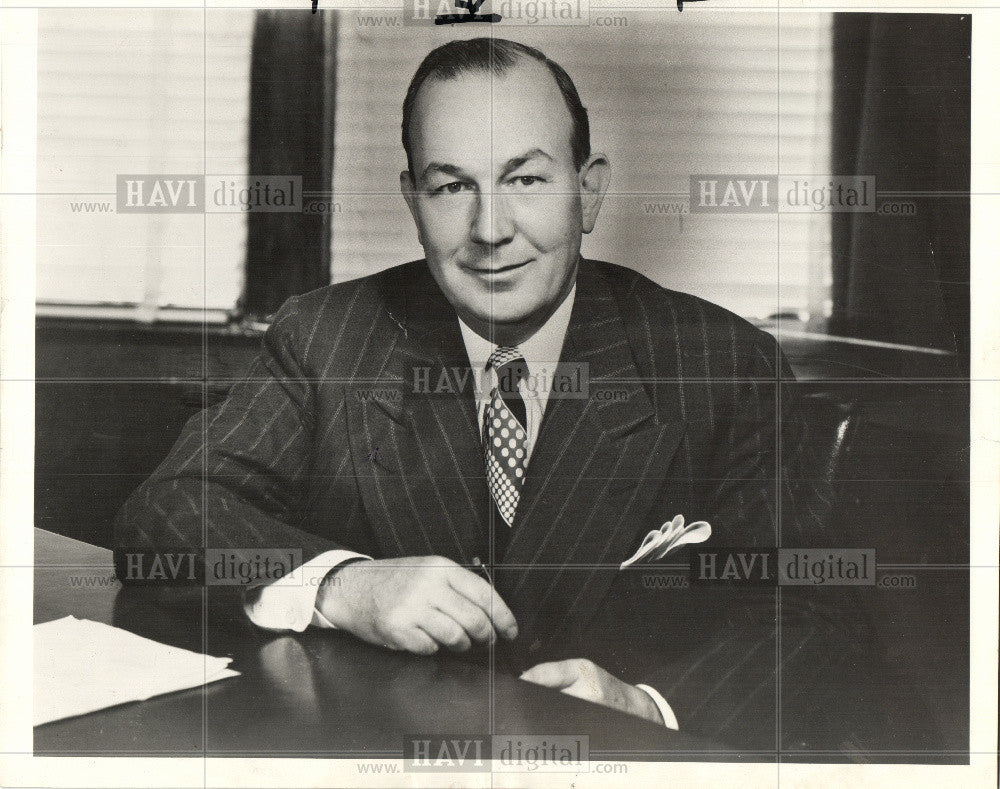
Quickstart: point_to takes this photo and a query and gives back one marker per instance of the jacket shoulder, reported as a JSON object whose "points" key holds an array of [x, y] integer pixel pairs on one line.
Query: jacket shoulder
{"points": [[339, 318], [345, 296], [669, 327]]}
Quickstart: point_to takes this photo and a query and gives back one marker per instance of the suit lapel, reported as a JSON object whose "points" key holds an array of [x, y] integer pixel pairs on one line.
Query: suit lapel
{"points": [[422, 473], [597, 467]]}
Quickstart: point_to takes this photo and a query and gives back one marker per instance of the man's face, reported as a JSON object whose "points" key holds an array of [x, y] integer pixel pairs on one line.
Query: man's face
{"points": [[498, 203]]}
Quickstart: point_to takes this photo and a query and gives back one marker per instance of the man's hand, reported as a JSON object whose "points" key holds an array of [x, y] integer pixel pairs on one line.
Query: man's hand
{"points": [[586, 680], [417, 603]]}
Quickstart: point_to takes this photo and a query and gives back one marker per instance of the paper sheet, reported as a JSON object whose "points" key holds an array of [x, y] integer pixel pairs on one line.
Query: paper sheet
{"points": [[82, 666]]}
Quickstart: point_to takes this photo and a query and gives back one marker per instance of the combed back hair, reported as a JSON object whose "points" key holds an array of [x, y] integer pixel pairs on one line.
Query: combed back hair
{"points": [[498, 55]]}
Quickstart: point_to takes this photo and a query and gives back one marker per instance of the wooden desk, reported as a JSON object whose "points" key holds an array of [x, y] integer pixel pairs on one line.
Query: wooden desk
{"points": [[315, 694]]}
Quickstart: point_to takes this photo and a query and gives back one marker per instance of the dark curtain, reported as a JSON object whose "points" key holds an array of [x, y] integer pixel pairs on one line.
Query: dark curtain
{"points": [[902, 113], [291, 133]]}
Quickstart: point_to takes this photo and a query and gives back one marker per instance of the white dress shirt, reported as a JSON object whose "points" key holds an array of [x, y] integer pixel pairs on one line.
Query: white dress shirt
{"points": [[291, 605]]}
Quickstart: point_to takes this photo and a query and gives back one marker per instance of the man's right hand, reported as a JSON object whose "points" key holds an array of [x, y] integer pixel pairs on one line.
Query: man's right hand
{"points": [[417, 603]]}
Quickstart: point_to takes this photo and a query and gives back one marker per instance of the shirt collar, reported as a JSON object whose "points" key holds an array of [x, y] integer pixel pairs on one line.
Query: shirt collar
{"points": [[541, 351]]}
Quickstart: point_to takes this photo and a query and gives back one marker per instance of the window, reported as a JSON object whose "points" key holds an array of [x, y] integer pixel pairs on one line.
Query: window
{"points": [[670, 95], [139, 91]]}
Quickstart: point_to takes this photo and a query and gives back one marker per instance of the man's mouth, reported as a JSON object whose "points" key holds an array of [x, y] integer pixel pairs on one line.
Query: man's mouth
{"points": [[493, 271]]}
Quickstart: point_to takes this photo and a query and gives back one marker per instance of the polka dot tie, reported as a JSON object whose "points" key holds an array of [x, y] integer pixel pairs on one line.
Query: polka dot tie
{"points": [[505, 431]]}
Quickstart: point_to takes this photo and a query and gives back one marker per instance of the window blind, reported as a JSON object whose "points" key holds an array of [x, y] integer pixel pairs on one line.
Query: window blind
{"points": [[669, 95], [139, 91]]}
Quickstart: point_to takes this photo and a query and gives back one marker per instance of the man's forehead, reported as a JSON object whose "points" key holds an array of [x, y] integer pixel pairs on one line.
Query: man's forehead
{"points": [[485, 117]]}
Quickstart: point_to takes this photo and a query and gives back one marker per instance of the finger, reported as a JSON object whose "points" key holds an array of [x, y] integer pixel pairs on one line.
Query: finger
{"points": [[470, 616], [588, 691], [444, 630], [478, 591], [415, 640], [558, 674], [593, 684]]}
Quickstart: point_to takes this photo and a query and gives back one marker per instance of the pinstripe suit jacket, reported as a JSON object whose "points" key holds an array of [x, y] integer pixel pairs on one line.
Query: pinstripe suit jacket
{"points": [[301, 455]]}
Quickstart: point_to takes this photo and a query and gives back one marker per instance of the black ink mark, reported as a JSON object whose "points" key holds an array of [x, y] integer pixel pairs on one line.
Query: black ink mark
{"points": [[316, 5], [471, 6], [680, 3], [373, 456]]}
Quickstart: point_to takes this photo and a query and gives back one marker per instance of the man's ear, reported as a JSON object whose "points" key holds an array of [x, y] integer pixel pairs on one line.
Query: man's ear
{"points": [[408, 188], [595, 175]]}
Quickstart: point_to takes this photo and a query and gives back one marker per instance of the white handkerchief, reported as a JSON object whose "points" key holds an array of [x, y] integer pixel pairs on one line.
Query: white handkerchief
{"points": [[82, 666], [672, 534]]}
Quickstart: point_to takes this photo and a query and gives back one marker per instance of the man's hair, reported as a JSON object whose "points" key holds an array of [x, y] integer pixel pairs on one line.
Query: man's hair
{"points": [[498, 55]]}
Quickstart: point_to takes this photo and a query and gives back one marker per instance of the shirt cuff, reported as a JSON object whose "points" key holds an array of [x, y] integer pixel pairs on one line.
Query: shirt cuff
{"points": [[661, 704], [289, 603]]}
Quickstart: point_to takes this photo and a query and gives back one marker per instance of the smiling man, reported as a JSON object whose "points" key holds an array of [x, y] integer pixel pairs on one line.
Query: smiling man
{"points": [[495, 514], [500, 206]]}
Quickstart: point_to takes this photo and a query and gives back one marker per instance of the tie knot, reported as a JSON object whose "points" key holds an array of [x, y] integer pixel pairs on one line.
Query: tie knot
{"points": [[510, 367]]}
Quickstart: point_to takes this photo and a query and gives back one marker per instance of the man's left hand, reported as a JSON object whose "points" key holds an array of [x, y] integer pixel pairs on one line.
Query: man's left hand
{"points": [[586, 680]]}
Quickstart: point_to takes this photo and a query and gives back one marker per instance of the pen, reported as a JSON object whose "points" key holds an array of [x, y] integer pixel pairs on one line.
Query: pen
{"points": [[505, 657], [477, 562]]}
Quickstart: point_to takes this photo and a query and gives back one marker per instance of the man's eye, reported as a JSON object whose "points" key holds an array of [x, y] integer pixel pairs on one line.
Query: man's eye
{"points": [[452, 188], [528, 180]]}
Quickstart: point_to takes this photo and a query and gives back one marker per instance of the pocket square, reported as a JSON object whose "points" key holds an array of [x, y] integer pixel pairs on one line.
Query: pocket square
{"points": [[672, 534]]}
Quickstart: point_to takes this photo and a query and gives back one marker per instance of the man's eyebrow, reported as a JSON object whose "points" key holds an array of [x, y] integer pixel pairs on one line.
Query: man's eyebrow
{"points": [[447, 169], [510, 166], [523, 159]]}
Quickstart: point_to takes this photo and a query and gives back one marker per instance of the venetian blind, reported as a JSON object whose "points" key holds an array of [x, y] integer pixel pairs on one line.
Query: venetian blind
{"points": [[139, 91]]}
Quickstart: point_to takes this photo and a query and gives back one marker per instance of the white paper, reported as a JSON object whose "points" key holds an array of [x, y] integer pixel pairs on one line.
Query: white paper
{"points": [[82, 666]]}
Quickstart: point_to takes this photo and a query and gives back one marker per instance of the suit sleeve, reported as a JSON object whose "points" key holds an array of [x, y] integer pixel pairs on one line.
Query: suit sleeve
{"points": [[795, 664], [236, 477]]}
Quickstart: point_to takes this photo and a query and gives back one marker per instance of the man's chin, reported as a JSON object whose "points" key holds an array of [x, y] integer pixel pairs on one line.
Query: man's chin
{"points": [[503, 320], [504, 323]]}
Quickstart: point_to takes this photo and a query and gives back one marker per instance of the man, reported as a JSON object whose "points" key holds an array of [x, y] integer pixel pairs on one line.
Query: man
{"points": [[435, 513]]}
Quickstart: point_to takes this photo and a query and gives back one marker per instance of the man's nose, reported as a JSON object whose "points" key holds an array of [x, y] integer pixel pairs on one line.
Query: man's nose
{"points": [[492, 223]]}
